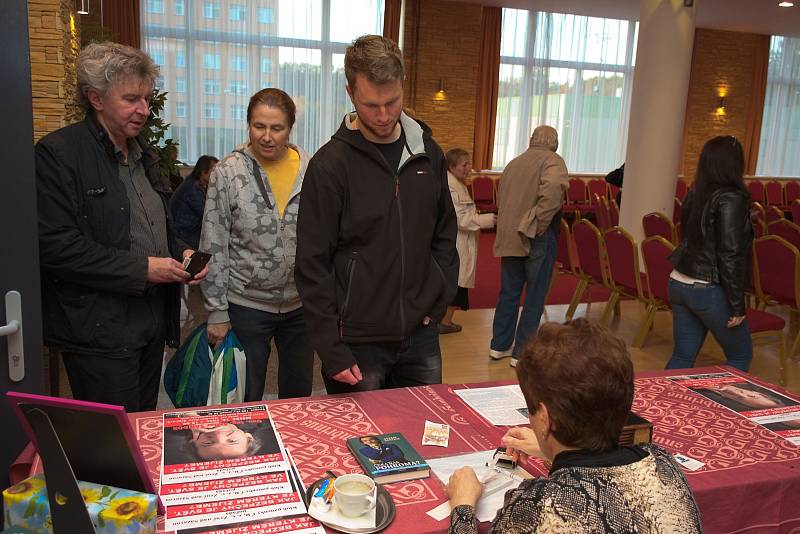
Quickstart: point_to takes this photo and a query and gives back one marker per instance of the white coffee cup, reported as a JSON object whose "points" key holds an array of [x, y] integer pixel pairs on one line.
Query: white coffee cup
{"points": [[354, 494]]}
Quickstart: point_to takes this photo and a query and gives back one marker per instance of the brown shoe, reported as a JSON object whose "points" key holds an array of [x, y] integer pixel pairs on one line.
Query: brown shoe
{"points": [[451, 328]]}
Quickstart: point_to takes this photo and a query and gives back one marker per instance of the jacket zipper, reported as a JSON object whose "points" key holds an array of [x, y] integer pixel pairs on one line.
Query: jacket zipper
{"points": [[351, 269]]}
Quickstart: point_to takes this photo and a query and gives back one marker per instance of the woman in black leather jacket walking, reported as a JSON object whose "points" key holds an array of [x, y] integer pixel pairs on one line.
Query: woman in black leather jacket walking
{"points": [[712, 263]]}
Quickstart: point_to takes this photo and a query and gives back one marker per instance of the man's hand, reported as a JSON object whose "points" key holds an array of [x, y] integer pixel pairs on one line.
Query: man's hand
{"points": [[733, 322], [165, 270], [198, 278], [520, 442], [464, 488], [350, 376], [217, 332]]}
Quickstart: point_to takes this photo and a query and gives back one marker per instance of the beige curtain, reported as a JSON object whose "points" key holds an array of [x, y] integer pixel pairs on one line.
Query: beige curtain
{"points": [[391, 19], [755, 112], [488, 80]]}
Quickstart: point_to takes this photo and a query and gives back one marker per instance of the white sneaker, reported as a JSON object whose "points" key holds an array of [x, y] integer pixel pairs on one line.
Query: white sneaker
{"points": [[499, 354], [513, 362]]}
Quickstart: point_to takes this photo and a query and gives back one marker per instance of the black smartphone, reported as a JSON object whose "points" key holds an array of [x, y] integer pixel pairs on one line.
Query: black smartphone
{"points": [[196, 262]]}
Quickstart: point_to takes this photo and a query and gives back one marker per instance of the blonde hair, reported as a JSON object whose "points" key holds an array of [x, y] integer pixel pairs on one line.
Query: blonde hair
{"points": [[377, 57], [545, 136], [100, 65]]}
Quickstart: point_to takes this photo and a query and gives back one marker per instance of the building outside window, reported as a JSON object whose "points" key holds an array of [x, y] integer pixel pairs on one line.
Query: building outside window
{"points": [[212, 61], [180, 109], [155, 6], [180, 8], [296, 45], [180, 84], [211, 86], [266, 15], [237, 13], [158, 57], [212, 10], [571, 72], [238, 112]]}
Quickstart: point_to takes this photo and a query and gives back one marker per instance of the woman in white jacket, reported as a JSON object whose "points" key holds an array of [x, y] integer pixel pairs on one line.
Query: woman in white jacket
{"points": [[469, 226]]}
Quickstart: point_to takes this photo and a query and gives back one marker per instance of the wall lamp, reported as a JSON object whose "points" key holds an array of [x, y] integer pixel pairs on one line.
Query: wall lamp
{"points": [[84, 7], [721, 105], [441, 94]]}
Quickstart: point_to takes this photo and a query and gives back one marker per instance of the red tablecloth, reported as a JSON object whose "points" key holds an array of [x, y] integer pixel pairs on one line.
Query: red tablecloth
{"points": [[750, 483]]}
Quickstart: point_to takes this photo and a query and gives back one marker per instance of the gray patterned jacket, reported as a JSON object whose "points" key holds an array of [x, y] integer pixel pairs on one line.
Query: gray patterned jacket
{"points": [[252, 248]]}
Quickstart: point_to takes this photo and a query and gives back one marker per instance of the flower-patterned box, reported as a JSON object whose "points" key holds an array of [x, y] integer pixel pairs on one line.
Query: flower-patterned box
{"points": [[112, 510]]}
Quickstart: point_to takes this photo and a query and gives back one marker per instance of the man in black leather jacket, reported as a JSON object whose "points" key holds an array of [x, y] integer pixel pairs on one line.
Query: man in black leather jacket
{"points": [[107, 252]]}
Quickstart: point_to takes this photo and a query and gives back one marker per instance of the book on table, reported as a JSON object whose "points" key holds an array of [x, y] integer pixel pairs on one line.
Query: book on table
{"points": [[388, 458]]}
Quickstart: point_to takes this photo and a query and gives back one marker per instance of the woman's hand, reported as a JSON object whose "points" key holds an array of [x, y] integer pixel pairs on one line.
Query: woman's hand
{"points": [[216, 332], [520, 442], [464, 488], [733, 322]]}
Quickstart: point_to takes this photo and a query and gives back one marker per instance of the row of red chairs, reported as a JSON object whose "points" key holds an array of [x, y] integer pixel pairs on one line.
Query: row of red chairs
{"points": [[774, 193], [484, 193], [610, 259]]}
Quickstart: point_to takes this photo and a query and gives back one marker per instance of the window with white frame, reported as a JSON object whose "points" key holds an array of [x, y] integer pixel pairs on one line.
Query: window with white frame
{"points": [[211, 86], [180, 109], [238, 112], [180, 84], [779, 146], [237, 12], [180, 8], [155, 6], [572, 72], [295, 45]]}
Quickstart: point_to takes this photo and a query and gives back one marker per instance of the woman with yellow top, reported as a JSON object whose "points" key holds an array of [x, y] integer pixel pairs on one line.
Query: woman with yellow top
{"points": [[249, 227]]}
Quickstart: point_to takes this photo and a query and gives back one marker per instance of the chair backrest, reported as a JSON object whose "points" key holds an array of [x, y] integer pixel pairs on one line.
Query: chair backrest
{"points": [[599, 188], [774, 213], [785, 229], [791, 191], [576, 192], [657, 223], [676, 210], [623, 262], [482, 189], [613, 207], [756, 188], [591, 250], [655, 251], [758, 216], [603, 213], [774, 191], [681, 188], [795, 209], [777, 270], [565, 250]]}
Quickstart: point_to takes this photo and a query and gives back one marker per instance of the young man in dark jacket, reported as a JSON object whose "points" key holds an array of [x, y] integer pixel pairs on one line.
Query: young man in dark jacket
{"points": [[107, 252], [376, 259]]}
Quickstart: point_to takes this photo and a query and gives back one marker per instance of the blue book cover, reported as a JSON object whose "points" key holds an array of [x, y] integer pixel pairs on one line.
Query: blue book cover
{"points": [[388, 458]]}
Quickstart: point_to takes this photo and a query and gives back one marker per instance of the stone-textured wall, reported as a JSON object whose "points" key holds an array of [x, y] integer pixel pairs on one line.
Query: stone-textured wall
{"points": [[447, 48], [722, 62], [54, 32]]}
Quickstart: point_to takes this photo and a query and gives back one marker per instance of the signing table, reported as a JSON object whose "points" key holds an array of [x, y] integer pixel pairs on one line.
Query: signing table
{"points": [[750, 481]]}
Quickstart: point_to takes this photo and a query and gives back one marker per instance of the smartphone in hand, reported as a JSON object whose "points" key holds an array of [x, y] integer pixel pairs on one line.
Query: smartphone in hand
{"points": [[196, 262]]}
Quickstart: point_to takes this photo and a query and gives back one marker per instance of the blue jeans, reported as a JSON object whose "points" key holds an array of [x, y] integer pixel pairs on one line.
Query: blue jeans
{"points": [[696, 309], [255, 329], [535, 270], [415, 361]]}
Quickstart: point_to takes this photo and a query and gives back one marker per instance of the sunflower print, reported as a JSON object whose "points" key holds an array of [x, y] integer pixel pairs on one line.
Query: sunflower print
{"points": [[25, 489], [91, 495], [125, 510]]}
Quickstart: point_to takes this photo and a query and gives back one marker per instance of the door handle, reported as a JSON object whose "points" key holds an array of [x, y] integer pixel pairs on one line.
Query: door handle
{"points": [[13, 330]]}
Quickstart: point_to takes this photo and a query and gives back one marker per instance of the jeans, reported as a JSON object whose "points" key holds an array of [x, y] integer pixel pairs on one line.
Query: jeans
{"points": [[696, 309], [415, 361], [535, 270], [255, 329]]}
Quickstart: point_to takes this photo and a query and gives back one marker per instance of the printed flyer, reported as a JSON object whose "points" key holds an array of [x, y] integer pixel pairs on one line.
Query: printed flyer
{"points": [[218, 444], [761, 405], [233, 511]]}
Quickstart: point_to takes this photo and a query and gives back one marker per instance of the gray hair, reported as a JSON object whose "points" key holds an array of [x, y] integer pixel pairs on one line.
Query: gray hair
{"points": [[100, 65], [545, 137], [375, 56]]}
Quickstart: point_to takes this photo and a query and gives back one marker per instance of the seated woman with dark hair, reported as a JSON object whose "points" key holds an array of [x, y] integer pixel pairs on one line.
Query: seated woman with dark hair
{"points": [[577, 379]]}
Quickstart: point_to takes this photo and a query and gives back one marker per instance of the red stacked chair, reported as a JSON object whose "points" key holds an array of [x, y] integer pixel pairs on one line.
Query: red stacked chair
{"points": [[681, 189], [657, 223], [625, 276], [577, 198], [792, 192], [592, 261], [614, 209], [603, 213], [774, 194], [483, 194], [597, 189], [785, 229], [655, 251], [758, 216], [677, 209], [795, 210], [773, 213], [756, 188]]}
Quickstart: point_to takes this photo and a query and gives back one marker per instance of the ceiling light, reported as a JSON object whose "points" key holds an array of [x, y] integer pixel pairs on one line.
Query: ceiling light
{"points": [[786, 4]]}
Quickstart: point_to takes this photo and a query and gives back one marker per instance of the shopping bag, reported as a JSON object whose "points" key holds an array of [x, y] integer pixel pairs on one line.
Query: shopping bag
{"points": [[188, 373], [228, 375]]}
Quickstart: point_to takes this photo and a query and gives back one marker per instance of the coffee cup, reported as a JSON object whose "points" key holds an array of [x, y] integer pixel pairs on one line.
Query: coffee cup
{"points": [[354, 494]]}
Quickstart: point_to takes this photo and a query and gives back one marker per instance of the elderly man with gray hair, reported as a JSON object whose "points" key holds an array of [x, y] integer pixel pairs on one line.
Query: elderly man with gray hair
{"points": [[109, 259], [528, 220]]}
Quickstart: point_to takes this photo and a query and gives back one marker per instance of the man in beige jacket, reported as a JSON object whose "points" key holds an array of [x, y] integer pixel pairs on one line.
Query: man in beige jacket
{"points": [[529, 214]]}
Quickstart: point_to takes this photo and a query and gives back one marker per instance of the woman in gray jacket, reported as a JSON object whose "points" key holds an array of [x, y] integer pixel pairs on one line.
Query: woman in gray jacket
{"points": [[249, 227]]}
